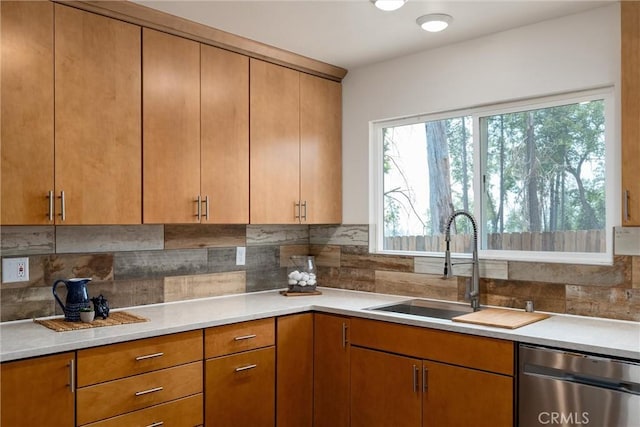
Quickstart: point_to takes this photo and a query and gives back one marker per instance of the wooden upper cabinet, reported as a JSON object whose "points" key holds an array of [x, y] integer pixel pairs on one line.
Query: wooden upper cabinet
{"points": [[97, 118], [320, 150], [630, 25], [27, 111], [275, 143], [171, 128], [224, 112]]}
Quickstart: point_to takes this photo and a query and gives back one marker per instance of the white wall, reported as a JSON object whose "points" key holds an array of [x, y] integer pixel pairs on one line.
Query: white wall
{"points": [[576, 52]]}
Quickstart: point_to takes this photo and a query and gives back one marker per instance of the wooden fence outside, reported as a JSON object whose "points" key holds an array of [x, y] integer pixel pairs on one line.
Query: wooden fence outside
{"points": [[557, 241]]}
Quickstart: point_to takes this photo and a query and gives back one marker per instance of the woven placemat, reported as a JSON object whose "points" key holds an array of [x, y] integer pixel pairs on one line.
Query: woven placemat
{"points": [[115, 318]]}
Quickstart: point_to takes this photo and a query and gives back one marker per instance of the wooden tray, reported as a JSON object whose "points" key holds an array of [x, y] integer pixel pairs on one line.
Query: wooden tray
{"points": [[115, 318], [299, 294], [501, 318]]}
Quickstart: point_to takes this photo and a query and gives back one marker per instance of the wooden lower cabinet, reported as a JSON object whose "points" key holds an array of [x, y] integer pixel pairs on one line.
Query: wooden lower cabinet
{"points": [[385, 389], [457, 396], [118, 397], [37, 392], [412, 376], [185, 412], [331, 364], [240, 389], [294, 369], [142, 383], [394, 390]]}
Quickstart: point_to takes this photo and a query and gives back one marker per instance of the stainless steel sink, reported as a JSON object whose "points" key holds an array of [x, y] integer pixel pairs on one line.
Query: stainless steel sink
{"points": [[425, 308]]}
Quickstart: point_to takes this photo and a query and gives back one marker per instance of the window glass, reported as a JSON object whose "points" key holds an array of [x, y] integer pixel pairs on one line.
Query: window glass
{"points": [[533, 174], [544, 179], [427, 174]]}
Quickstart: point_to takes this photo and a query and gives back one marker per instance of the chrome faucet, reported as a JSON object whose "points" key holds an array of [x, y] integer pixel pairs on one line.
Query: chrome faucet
{"points": [[474, 293]]}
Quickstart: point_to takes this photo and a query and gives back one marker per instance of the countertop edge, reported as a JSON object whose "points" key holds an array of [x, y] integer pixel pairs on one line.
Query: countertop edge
{"points": [[341, 302]]}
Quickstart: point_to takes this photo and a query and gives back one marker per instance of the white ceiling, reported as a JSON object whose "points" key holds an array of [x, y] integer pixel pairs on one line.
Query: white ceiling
{"points": [[353, 33]]}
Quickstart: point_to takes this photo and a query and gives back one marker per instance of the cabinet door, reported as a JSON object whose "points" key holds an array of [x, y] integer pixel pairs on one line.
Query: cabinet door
{"points": [[320, 150], [225, 135], [630, 112], [240, 389], [331, 363], [171, 128], [27, 111], [36, 392], [294, 392], [385, 389], [98, 118], [456, 396], [275, 143]]}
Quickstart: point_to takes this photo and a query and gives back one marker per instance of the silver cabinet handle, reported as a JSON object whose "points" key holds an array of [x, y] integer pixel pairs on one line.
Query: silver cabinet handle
{"points": [[151, 390], [199, 209], [296, 205], [425, 380], [415, 378], [72, 375], [245, 368], [63, 212], [303, 217], [626, 205], [156, 424], [51, 207], [206, 208], [344, 334], [149, 356], [245, 337]]}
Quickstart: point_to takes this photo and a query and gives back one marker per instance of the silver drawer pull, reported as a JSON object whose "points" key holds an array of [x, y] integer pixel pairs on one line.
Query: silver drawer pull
{"points": [[151, 390], [157, 424], [244, 368], [245, 337], [149, 356]]}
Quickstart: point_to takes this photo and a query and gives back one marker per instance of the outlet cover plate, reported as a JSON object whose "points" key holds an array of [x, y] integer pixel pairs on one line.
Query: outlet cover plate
{"points": [[241, 252], [15, 270]]}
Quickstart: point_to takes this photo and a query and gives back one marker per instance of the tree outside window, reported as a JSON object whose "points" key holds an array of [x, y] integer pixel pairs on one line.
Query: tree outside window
{"points": [[541, 172]]}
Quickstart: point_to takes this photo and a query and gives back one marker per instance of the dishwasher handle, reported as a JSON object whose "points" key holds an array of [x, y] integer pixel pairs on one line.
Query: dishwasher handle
{"points": [[560, 375]]}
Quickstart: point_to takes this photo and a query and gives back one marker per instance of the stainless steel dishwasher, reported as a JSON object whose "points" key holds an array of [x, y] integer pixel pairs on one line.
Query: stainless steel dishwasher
{"points": [[562, 388]]}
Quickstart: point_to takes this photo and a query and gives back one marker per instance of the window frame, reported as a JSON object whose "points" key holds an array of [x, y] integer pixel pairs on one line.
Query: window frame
{"points": [[612, 178]]}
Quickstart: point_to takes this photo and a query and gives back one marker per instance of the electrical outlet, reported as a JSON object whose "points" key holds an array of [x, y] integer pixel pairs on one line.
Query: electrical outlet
{"points": [[15, 270], [240, 255]]}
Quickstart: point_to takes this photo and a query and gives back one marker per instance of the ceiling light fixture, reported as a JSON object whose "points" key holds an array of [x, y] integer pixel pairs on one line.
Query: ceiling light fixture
{"points": [[388, 5], [434, 22]]}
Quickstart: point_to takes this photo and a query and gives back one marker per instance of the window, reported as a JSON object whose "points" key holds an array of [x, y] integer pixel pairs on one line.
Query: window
{"points": [[534, 175]]}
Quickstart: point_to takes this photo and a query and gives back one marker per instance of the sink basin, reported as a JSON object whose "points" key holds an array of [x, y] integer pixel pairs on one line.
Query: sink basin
{"points": [[423, 308]]}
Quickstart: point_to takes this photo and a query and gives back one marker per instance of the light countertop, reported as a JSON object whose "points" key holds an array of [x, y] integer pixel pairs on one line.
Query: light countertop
{"points": [[24, 338]]}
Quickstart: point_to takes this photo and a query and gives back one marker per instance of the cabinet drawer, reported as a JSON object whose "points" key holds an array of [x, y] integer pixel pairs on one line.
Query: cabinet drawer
{"points": [[238, 337], [240, 389], [186, 412], [488, 354], [99, 364], [101, 401]]}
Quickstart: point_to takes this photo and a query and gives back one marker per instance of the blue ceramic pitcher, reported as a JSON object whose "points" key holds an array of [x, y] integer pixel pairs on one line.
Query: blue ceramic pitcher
{"points": [[77, 297]]}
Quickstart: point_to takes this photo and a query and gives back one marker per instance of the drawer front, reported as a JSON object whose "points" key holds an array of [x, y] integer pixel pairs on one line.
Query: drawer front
{"points": [[488, 354], [240, 389], [101, 401], [110, 362], [186, 412], [238, 337]]}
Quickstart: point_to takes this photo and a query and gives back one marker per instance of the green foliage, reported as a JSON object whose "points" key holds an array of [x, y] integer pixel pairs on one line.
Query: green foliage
{"points": [[565, 145]]}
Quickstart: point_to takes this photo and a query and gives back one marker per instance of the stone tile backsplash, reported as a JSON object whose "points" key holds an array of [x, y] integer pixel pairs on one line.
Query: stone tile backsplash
{"points": [[146, 264]]}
